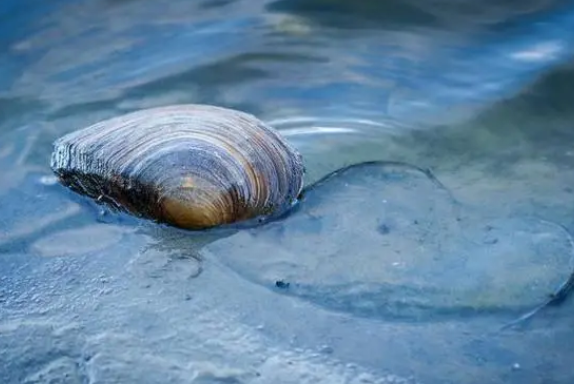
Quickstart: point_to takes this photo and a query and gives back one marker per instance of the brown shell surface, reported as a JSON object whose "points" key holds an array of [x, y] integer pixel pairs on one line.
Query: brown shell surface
{"points": [[190, 166]]}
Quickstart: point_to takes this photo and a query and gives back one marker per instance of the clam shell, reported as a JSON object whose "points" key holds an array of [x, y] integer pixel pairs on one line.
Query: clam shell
{"points": [[190, 166]]}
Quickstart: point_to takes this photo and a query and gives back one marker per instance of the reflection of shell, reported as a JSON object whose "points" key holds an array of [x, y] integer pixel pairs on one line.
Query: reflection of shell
{"points": [[191, 166]]}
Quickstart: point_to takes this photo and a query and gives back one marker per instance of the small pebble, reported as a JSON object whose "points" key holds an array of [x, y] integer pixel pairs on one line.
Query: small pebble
{"points": [[281, 284]]}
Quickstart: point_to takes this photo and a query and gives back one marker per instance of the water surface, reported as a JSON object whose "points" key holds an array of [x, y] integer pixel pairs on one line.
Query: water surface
{"points": [[386, 278]]}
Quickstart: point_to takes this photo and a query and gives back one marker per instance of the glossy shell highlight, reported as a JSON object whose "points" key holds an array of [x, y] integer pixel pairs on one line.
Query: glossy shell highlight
{"points": [[190, 166]]}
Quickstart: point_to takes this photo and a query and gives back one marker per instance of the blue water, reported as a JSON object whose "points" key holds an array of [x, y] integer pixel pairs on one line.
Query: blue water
{"points": [[387, 278]]}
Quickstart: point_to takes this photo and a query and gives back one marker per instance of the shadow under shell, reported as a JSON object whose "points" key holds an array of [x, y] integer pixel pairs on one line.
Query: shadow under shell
{"points": [[388, 242]]}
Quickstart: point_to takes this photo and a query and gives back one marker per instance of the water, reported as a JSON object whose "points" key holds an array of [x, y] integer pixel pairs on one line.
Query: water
{"points": [[386, 277]]}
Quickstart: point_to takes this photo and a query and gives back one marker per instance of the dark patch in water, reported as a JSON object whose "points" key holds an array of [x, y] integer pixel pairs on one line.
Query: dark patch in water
{"points": [[371, 14], [383, 229], [355, 15]]}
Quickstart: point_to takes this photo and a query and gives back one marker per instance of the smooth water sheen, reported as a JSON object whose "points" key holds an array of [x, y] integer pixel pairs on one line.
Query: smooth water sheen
{"points": [[382, 274]]}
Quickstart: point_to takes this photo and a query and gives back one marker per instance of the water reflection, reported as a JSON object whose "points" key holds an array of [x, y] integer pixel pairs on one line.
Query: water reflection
{"points": [[462, 14], [469, 89]]}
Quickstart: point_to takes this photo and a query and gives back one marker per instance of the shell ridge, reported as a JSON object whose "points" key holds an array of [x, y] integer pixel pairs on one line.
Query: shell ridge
{"points": [[188, 165]]}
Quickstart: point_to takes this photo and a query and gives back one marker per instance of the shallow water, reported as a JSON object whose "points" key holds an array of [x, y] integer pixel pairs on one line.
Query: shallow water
{"points": [[385, 276]]}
